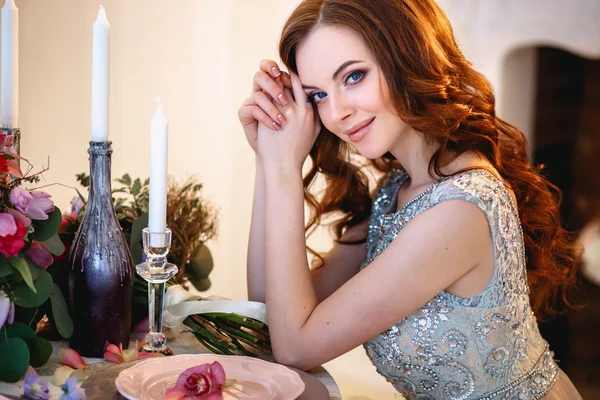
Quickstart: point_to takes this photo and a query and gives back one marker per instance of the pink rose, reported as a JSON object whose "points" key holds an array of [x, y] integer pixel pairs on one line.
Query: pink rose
{"points": [[204, 382]]}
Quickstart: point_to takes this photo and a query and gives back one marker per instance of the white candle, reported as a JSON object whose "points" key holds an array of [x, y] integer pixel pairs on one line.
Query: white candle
{"points": [[100, 77], [159, 132], [10, 65]]}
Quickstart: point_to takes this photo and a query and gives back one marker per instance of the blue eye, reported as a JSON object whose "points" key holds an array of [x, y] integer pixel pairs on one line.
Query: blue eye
{"points": [[317, 97], [354, 77]]}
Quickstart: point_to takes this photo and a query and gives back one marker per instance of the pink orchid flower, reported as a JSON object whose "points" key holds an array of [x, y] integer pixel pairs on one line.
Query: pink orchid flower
{"points": [[7, 310], [40, 255], [202, 382], [70, 358], [19, 216], [35, 205], [118, 355]]}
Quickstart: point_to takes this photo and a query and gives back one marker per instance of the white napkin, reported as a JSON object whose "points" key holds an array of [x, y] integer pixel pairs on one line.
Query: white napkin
{"points": [[179, 304]]}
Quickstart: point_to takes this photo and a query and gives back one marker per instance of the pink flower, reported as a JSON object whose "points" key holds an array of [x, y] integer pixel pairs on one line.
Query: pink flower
{"points": [[7, 310], [118, 355], [35, 205], [20, 216], [11, 244], [202, 382], [70, 358], [7, 224], [20, 199], [40, 255], [40, 206]]}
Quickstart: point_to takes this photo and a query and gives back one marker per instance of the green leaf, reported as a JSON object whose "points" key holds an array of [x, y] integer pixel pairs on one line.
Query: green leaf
{"points": [[44, 230], [64, 323], [55, 245], [137, 228], [5, 269], [19, 329], [40, 351], [20, 265], [125, 180], [14, 360], [34, 269], [25, 297], [137, 186]]}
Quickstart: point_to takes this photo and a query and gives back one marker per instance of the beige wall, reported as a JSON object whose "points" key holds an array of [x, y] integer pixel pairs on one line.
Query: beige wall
{"points": [[197, 55]]}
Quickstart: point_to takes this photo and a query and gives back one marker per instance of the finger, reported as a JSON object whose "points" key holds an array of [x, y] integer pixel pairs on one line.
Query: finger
{"points": [[268, 106], [299, 95], [251, 114], [286, 79], [264, 82], [270, 67]]}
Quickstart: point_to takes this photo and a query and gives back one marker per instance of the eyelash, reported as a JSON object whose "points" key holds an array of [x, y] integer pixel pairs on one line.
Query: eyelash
{"points": [[311, 97]]}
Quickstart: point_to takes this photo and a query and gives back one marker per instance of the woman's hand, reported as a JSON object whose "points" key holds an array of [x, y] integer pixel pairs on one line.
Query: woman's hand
{"points": [[268, 84], [288, 147]]}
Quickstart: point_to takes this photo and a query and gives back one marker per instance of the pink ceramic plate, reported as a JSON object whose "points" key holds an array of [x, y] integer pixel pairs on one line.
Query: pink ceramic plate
{"points": [[255, 379]]}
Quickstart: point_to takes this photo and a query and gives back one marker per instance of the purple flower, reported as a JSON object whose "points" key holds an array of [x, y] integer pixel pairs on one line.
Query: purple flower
{"points": [[76, 205], [35, 388], [7, 225], [40, 255], [36, 205], [7, 310], [71, 391], [40, 206], [21, 199]]}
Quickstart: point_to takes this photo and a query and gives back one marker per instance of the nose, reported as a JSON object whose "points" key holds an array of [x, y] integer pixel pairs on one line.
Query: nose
{"points": [[340, 109]]}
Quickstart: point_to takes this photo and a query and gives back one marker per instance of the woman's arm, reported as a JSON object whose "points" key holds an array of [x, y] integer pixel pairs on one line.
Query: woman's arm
{"points": [[255, 276], [341, 263]]}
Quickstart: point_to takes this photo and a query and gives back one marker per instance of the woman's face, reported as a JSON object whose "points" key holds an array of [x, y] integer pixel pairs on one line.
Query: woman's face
{"points": [[340, 75]]}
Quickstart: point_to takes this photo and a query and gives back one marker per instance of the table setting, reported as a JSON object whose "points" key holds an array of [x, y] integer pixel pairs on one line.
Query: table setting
{"points": [[102, 301]]}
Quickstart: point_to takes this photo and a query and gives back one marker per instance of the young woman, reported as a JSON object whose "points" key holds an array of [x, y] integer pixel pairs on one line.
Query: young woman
{"points": [[432, 273]]}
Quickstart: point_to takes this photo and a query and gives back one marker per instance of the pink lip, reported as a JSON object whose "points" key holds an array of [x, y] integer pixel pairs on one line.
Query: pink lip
{"points": [[358, 131]]}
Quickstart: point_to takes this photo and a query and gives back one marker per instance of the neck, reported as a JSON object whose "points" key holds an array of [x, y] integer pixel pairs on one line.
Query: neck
{"points": [[413, 153]]}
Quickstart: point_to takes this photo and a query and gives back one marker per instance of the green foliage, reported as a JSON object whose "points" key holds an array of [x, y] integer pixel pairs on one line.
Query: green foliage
{"points": [[64, 324], [15, 358], [25, 297], [44, 230]]}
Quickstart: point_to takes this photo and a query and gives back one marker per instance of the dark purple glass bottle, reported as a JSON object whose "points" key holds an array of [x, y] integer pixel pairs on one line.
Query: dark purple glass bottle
{"points": [[101, 272]]}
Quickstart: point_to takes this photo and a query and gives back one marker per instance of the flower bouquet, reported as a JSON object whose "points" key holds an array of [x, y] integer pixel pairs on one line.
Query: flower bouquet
{"points": [[28, 243]]}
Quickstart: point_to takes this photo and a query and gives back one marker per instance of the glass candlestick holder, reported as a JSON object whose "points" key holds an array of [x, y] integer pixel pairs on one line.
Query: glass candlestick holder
{"points": [[156, 271]]}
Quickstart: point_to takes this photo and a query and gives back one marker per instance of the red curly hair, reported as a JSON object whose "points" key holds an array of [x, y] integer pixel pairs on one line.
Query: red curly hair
{"points": [[436, 91]]}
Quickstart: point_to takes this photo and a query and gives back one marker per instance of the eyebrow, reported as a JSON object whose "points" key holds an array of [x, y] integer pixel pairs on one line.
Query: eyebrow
{"points": [[336, 73]]}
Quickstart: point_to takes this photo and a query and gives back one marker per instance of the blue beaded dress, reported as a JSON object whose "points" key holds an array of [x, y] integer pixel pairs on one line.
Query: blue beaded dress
{"points": [[483, 347]]}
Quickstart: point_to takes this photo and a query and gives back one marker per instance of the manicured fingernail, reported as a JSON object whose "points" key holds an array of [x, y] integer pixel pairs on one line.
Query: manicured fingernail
{"points": [[276, 126], [275, 71], [282, 119], [282, 99]]}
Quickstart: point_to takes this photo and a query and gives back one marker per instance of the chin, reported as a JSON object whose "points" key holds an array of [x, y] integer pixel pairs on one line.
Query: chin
{"points": [[370, 152]]}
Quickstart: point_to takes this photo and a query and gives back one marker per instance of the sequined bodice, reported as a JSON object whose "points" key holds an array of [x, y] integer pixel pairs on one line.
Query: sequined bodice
{"points": [[483, 347]]}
